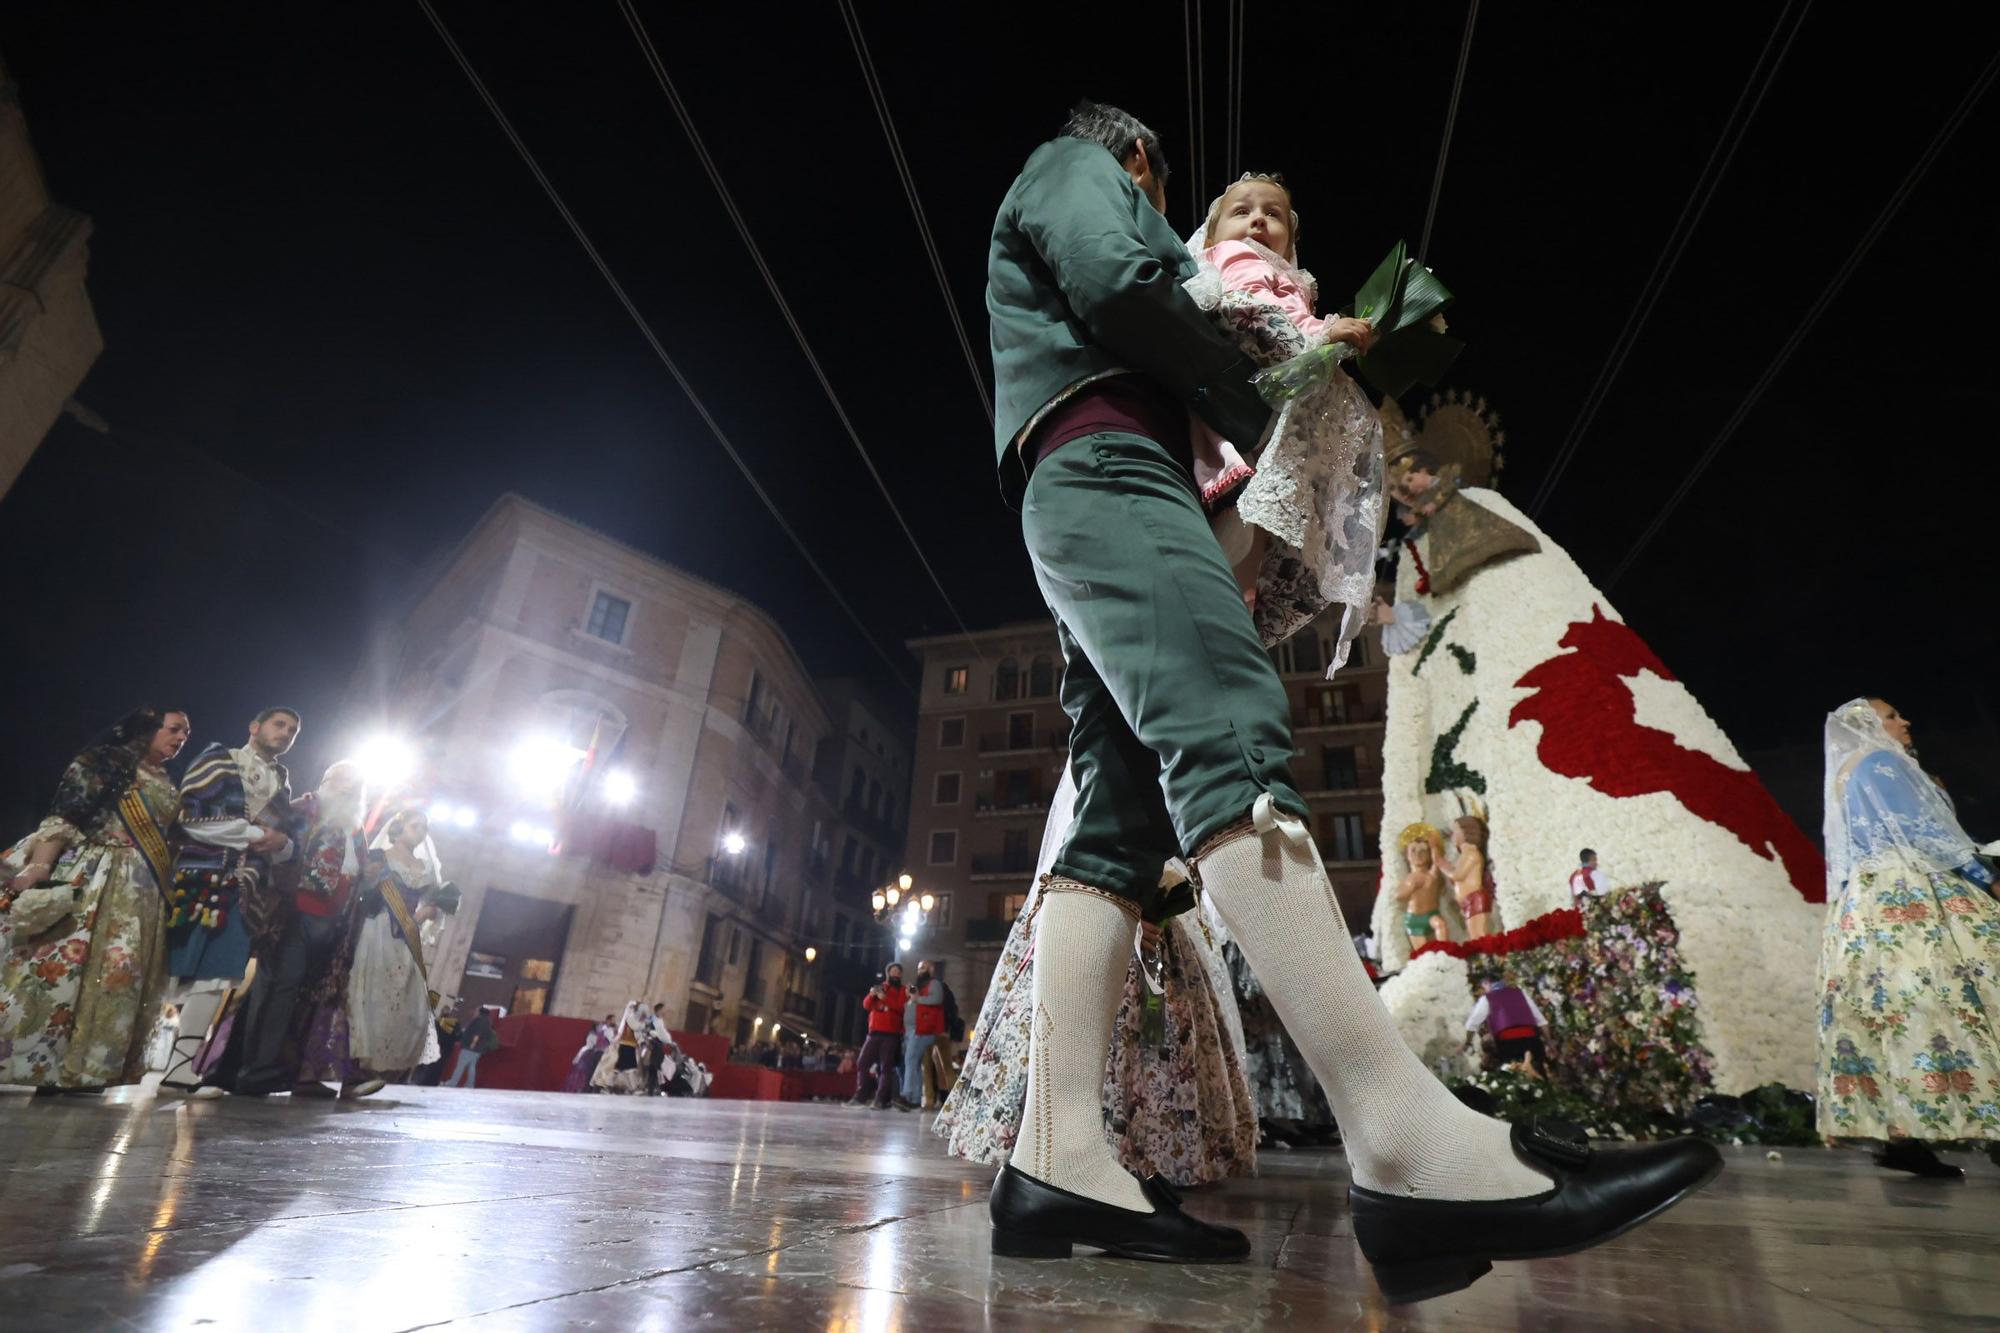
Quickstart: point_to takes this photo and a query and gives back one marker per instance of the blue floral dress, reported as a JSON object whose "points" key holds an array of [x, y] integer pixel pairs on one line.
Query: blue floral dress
{"points": [[1909, 972]]}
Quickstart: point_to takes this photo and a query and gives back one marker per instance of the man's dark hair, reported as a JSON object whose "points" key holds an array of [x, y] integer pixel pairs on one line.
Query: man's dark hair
{"points": [[1587, 854], [270, 713], [1117, 131]]}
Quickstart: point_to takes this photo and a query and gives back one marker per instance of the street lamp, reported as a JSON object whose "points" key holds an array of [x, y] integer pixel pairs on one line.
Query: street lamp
{"points": [[811, 953]]}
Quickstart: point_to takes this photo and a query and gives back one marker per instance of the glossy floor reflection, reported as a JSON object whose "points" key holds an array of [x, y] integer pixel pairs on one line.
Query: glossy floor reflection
{"points": [[493, 1210]]}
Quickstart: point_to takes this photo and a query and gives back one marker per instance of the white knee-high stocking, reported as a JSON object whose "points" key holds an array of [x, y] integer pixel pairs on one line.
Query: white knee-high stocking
{"points": [[1082, 946], [1405, 1133]]}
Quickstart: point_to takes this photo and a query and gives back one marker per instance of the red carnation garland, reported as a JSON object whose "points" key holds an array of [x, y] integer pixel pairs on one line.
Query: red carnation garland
{"points": [[1423, 575], [1550, 928]]}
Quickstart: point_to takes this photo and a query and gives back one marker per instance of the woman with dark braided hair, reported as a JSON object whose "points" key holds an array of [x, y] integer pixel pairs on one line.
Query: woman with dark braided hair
{"points": [[82, 913]]}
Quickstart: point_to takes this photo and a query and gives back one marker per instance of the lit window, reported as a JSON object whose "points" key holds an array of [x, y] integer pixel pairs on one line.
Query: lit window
{"points": [[944, 847], [955, 680], [607, 618]]}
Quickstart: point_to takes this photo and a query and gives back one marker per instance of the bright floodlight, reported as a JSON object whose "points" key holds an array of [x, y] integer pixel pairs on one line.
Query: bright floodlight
{"points": [[465, 816], [903, 945], [532, 834], [759, 1023], [904, 883], [386, 762], [441, 812], [734, 843], [620, 787], [911, 919], [541, 764]]}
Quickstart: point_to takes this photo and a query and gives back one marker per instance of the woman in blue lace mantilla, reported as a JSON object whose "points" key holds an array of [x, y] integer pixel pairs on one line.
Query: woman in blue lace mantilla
{"points": [[1909, 1021]]}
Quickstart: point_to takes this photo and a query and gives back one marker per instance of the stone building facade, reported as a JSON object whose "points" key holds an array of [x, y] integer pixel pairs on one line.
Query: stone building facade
{"points": [[992, 740], [864, 766], [48, 332], [618, 757]]}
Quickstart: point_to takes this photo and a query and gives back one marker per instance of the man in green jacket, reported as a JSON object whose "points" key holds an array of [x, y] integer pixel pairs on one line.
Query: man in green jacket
{"points": [[1181, 746]]}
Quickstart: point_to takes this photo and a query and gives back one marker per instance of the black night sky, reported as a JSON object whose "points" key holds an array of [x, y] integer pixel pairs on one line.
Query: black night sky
{"points": [[341, 318]]}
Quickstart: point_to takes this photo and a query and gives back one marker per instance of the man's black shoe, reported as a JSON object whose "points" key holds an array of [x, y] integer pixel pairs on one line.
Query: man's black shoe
{"points": [[1034, 1220], [1427, 1247]]}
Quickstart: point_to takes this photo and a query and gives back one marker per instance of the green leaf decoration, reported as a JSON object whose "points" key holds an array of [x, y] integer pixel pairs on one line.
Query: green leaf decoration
{"points": [[1466, 661], [1432, 642], [1447, 773], [1398, 363]]}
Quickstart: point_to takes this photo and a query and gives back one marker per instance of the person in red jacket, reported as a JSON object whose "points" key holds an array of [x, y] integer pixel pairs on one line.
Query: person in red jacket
{"points": [[881, 1056]]}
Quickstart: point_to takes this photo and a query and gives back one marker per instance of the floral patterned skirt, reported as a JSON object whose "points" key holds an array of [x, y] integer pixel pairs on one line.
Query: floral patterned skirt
{"points": [[78, 1000], [1909, 1021], [1176, 1101]]}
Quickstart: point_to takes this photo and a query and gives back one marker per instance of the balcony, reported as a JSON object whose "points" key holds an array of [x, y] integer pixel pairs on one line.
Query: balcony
{"points": [[800, 1005], [1315, 719], [1004, 865], [1355, 782], [1033, 742], [879, 828], [987, 930], [989, 807]]}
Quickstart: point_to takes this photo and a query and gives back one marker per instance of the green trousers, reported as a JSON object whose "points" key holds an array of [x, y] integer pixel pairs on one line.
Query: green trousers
{"points": [[1179, 720]]}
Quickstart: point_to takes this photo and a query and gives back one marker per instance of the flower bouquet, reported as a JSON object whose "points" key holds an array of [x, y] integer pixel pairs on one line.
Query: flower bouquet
{"points": [[1400, 299]]}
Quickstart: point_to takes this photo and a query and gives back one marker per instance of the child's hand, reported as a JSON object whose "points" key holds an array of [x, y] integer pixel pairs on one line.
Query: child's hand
{"points": [[1359, 333]]}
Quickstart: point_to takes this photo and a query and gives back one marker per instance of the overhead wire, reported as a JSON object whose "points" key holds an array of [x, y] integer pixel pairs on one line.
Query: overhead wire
{"points": [[658, 66], [1712, 171], [1450, 120], [909, 180], [1236, 99], [1193, 172], [1199, 148], [1805, 325], [646, 329]]}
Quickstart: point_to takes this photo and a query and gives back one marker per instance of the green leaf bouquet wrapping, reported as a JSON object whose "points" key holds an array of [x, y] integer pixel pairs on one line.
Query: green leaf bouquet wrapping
{"points": [[1398, 299]]}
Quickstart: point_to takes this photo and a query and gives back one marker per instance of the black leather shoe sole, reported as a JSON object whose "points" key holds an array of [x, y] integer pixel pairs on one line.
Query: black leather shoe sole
{"points": [[1447, 1247], [1036, 1220]]}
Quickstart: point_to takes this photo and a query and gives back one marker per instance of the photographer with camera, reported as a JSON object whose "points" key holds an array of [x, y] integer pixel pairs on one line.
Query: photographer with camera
{"points": [[879, 1069]]}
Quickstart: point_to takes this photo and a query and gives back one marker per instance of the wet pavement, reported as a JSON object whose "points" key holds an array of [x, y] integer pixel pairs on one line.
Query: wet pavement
{"points": [[478, 1211]]}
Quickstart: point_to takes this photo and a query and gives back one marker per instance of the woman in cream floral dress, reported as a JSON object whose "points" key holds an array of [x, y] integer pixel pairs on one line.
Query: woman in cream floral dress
{"points": [[1909, 1024], [82, 914], [1177, 1103]]}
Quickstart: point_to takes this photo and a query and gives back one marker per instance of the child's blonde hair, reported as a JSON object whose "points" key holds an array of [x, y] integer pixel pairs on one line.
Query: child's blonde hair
{"points": [[1248, 177]]}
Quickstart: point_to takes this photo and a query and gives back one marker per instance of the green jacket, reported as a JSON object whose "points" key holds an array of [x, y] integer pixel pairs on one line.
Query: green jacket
{"points": [[1084, 280]]}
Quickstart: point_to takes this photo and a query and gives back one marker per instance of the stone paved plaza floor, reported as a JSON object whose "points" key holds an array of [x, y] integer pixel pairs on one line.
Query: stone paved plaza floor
{"points": [[481, 1211]]}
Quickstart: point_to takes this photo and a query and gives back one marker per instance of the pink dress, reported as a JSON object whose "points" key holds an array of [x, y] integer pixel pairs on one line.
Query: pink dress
{"points": [[1219, 466]]}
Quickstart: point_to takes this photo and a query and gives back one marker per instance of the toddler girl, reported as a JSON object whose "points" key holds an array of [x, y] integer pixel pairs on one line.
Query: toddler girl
{"points": [[1302, 524]]}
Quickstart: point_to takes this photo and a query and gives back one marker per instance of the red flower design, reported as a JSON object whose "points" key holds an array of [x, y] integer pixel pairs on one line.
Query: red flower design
{"points": [[1869, 1086], [1847, 921], [76, 950], [1591, 730], [51, 970], [1843, 1085], [1959, 906], [1551, 928], [1936, 1083], [1961, 1080], [1916, 912]]}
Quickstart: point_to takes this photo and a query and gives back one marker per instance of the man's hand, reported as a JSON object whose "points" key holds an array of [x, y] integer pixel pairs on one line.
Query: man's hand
{"points": [[1382, 613], [1359, 333], [272, 841]]}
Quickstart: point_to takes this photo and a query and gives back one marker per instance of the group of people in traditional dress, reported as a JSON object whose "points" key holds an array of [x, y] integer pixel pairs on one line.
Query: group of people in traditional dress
{"points": [[635, 1053], [290, 932]]}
